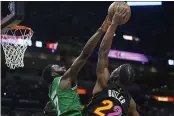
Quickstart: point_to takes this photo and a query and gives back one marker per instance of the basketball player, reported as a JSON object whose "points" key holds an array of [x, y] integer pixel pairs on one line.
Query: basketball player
{"points": [[109, 95], [63, 94]]}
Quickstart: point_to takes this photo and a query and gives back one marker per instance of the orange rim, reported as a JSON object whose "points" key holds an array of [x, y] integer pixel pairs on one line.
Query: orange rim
{"points": [[21, 27], [18, 27]]}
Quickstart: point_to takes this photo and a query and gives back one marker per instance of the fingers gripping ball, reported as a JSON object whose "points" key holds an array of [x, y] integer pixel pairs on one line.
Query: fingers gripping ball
{"points": [[113, 8]]}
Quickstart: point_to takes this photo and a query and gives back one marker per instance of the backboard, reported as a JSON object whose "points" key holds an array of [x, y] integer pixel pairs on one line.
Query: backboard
{"points": [[12, 14]]}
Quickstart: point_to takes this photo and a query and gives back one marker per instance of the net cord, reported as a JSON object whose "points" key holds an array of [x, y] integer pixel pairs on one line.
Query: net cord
{"points": [[14, 51]]}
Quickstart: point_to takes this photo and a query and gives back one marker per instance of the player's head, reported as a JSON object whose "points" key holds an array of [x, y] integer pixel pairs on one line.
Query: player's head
{"points": [[124, 73], [51, 71]]}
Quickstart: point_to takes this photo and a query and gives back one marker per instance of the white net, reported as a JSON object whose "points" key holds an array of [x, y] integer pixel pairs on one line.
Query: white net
{"points": [[14, 46]]}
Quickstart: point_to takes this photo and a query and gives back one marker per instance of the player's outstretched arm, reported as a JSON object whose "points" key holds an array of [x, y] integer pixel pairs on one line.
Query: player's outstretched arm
{"points": [[87, 51], [102, 65], [132, 109]]}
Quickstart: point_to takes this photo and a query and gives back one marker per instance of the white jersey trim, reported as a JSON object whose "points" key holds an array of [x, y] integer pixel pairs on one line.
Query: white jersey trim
{"points": [[58, 98]]}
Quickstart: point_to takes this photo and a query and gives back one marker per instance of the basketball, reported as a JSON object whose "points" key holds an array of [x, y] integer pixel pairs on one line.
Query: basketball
{"points": [[112, 9]]}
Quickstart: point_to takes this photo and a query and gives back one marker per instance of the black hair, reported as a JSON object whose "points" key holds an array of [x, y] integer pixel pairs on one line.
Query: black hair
{"points": [[124, 73], [46, 74]]}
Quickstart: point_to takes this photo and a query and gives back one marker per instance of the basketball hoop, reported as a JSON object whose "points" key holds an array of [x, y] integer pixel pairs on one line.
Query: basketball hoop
{"points": [[14, 43]]}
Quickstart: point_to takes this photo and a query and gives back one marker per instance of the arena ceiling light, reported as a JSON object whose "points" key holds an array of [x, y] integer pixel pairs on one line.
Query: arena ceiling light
{"points": [[81, 91], [52, 46], [163, 98], [130, 38], [171, 62], [131, 56], [38, 44], [144, 3]]}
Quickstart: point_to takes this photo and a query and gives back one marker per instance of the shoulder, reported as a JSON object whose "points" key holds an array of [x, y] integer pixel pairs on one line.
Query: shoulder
{"points": [[56, 81], [55, 84]]}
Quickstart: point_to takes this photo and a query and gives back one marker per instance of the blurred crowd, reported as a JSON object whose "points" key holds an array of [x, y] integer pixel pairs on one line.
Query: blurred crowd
{"points": [[22, 98], [21, 91], [154, 111], [148, 111]]}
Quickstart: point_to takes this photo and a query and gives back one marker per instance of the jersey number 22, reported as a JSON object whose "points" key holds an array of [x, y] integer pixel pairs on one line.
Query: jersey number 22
{"points": [[108, 106]]}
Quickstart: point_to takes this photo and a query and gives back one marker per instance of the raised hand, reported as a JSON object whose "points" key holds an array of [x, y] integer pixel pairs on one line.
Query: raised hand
{"points": [[120, 15]]}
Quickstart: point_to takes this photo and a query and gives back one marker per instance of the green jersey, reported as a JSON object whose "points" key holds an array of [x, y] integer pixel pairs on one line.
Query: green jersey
{"points": [[65, 101]]}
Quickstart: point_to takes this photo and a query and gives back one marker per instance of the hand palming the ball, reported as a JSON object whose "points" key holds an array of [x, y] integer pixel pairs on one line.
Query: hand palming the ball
{"points": [[121, 14]]}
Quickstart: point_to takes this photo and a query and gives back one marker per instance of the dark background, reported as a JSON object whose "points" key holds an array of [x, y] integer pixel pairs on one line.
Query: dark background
{"points": [[152, 24]]}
